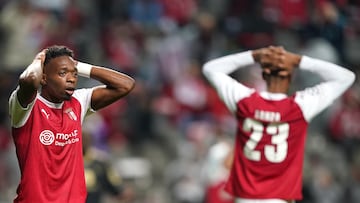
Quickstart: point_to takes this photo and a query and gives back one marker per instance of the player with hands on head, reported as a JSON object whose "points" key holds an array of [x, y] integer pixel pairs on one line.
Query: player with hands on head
{"points": [[46, 113], [272, 125]]}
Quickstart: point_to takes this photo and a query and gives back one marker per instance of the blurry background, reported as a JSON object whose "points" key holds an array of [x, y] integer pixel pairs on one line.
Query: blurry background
{"points": [[165, 138]]}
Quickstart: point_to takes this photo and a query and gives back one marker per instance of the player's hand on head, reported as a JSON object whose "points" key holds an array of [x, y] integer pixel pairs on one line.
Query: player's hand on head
{"points": [[292, 59], [267, 57], [281, 61], [40, 58], [40, 55], [261, 55], [286, 61]]}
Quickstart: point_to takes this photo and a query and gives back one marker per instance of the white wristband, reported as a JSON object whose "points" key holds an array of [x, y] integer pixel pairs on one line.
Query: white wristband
{"points": [[84, 69]]}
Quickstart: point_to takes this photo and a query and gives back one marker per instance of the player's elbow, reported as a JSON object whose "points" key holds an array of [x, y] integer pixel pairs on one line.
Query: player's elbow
{"points": [[126, 87], [352, 77], [206, 69], [30, 79], [348, 78], [129, 85]]}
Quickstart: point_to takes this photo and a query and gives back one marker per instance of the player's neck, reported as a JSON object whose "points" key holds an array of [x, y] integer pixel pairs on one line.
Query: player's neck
{"points": [[278, 86], [277, 90]]}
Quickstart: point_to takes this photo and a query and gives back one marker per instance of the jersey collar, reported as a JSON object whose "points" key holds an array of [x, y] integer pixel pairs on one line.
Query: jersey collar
{"points": [[273, 96], [49, 103]]}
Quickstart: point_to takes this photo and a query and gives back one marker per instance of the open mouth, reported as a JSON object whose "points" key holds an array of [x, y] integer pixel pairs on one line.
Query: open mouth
{"points": [[69, 91]]}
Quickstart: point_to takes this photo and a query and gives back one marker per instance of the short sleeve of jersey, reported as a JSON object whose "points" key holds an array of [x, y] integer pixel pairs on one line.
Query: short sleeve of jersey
{"points": [[18, 114], [84, 97]]}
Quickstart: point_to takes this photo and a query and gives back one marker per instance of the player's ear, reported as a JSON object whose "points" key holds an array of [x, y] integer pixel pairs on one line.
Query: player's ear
{"points": [[265, 76], [265, 73], [43, 80]]}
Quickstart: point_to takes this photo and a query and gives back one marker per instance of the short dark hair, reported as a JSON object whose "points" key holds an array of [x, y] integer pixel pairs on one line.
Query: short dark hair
{"points": [[56, 51]]}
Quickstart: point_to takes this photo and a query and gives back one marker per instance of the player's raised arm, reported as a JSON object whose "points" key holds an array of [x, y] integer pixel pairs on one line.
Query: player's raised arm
{"points": [[116, 84], [230, 90], [217, 73], [339, 78], [335, 81], [29, 80]]}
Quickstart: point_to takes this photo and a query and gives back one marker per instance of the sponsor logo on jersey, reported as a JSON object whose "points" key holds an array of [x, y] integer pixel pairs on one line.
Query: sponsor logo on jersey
{"points": [[47, 137]]}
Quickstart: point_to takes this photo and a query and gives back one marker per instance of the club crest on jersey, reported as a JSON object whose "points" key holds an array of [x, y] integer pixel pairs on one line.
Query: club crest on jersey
{"points": [[71, 114], [46, 137]]}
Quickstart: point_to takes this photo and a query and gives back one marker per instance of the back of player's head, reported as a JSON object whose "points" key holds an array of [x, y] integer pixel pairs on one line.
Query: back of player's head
{"points": [[56, 51], [277, 79], [276, 73]]}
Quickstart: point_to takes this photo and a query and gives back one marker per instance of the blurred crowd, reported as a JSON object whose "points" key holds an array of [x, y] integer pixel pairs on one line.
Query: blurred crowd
{"points": [[168, 138]]}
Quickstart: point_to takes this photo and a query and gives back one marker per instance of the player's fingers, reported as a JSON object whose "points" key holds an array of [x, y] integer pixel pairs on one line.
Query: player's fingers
{"points": [[41, 55], [266, 62]]}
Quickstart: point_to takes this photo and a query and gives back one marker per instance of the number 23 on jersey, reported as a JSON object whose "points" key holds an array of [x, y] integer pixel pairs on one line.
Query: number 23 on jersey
{"points": [[274, 152]]}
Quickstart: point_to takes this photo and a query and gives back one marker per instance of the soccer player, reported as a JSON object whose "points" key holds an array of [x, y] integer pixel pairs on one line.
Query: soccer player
{"points": [[272, 125], [46, 112]]}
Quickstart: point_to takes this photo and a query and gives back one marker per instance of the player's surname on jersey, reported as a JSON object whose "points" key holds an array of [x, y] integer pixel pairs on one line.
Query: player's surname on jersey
{"points": [[269, 116]]}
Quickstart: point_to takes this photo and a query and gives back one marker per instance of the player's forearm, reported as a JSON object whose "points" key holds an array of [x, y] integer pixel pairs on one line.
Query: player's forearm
{"points": [[113, 80], [329, 72], [32, 75], [230, 63], [29, 80]]}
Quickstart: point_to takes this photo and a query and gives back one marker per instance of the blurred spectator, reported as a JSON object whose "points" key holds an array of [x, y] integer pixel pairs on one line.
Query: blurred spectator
{"points": [[256, 32], [190, 92], [344, 120], [146, 12], [182, 175], [216, 168], [353, 188], [140, 117], [325, 188], [329, 24], [56, 6], [180, 11], [101, 177], [207, 42], [121, 46], [170, 52], [25, 29], [286, 13]]}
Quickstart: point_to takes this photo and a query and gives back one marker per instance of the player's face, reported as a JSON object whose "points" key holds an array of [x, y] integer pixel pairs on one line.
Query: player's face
{"points": [[60, 79]]}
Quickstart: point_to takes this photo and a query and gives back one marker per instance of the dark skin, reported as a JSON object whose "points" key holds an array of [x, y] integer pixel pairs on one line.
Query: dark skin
{"points": [[59, 80], [277, 67]]}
